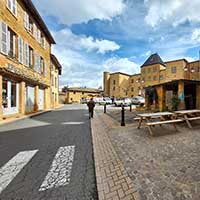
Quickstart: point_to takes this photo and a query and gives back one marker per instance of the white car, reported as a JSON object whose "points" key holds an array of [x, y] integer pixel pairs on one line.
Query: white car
{"points": [[127, 102], [99, 100], [138, 100], [107, 100]]}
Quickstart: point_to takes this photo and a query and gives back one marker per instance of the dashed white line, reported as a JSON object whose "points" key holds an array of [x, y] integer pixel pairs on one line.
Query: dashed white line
{"points": [[72, 123], [13, 167], [60, 170]]}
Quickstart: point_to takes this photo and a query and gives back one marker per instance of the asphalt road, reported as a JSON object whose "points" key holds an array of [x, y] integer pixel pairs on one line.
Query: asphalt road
{"points": [[48, 157]]}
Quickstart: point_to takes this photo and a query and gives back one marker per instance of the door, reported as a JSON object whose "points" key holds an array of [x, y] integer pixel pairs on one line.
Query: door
{"points": [[30, 95], [10, 96], [41, 99]]}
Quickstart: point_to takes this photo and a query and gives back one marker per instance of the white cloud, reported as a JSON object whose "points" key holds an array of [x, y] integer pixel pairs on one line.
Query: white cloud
{"points": [[116, 64], [174, 11], [196, 35], [69, 40], [78, 11]]}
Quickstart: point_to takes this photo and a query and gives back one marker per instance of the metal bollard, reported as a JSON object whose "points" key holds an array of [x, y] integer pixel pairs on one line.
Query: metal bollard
{"points": [[123, 116], [130, 107], [104, 108]]}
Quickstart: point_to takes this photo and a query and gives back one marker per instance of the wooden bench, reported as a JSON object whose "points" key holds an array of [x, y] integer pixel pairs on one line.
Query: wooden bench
{"points": [[173, 121], [165, 122], [193, 118]]}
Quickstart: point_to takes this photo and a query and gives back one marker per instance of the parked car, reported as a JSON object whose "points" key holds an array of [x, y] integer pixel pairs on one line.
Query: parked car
{"points": [[122, 101], [118, 101], [84, 100], [107, 100], [99, 100], [138, 100], [127, 101]]}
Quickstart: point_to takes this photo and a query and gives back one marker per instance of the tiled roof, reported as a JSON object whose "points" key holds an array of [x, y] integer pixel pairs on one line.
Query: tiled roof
{"points": [[153, 59]]}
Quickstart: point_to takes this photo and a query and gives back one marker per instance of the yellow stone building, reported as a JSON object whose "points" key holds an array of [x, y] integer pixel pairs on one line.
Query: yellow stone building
{"points": [[159, 82], [76, 94], [25, 48], [56, 69]]}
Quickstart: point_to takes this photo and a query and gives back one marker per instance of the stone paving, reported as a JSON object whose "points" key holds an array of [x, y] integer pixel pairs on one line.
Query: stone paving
{"points": [[163, 167], [113, 183]]}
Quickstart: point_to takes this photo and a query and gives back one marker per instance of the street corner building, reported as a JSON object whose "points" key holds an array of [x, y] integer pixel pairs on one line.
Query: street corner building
{"points": [[79, 94], [25, 60], [169, 85]]}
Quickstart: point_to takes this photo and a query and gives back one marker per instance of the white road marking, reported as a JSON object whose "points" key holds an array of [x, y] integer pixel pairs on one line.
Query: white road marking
{"points": [[72, 123], [13, 167], [60, 170]]}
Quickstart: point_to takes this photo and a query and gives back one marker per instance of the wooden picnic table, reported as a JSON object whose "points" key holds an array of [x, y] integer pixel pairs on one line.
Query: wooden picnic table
{"points": [[164, 118], [188, 115]]}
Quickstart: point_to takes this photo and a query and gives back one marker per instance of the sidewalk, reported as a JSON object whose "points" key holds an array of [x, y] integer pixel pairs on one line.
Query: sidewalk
{"points": [[113, 182], [20, 117], [131, 164]]}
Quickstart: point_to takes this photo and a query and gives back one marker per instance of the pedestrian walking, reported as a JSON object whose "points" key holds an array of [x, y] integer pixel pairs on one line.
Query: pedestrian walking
{"points": [[91, 105]]}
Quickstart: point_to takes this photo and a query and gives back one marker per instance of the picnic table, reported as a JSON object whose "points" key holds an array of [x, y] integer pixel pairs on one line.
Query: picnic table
{"points": [[188, 115], [161, 118]]}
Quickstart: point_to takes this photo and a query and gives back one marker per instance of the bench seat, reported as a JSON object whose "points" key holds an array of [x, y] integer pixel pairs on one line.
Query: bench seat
{"points": [[193, 118], [164, 122]]}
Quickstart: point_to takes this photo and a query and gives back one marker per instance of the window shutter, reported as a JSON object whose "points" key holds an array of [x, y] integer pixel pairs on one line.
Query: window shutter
{"points": [[44, 42], [8, 42], [35, 61], [45, 69], [20, 50], [9, 4], [39, 36], [34, 31], [26, 54], [4, 38], [14, 7]]}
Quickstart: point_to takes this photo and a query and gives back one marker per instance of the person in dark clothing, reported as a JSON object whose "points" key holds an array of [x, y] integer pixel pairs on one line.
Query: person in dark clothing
{"points": [[91, 105]]}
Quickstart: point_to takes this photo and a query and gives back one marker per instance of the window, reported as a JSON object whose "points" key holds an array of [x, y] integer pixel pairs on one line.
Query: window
{"points": [[161, 77], [144, 71], [11, 44], [155, 69], [3, 37], [154, 78], [149, 70], [149, 78], [74, 92], [132, 89], [114, 88], [82, 93], [114, 82], [26, 21], [12, 6], [173, 70], [132, 80], [20, 50], [30, 25]]}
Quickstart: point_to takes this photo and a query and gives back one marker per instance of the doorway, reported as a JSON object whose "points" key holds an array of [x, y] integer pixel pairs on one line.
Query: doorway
{"points": [[10, 96]]}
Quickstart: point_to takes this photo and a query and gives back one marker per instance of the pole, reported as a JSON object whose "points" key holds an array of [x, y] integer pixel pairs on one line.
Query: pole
{"points": [[123, 116], [104, 108], [130, 107]]}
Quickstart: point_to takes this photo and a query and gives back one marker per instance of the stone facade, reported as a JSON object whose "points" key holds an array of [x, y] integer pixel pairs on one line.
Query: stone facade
{"points": [[77, 95], [55, 72], [25, 47], [160, 75]]}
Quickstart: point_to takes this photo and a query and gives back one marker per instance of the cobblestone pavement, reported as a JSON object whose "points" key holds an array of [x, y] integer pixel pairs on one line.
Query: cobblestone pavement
{"points": [[163, 167], [113, 182]]}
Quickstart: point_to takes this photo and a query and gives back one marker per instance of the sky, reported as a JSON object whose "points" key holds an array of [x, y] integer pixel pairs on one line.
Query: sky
{"points": [[93, 36]]}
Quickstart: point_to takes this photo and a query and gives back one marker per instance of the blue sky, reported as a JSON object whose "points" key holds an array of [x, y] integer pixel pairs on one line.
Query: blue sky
{"points": [[118, 35]]}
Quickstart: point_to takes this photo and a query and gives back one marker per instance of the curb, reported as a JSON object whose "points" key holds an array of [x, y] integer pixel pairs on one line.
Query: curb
{"points": [[113, 182]]}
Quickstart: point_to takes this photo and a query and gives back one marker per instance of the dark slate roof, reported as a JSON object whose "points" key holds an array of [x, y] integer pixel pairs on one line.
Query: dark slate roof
{"points": [[153, 59]]}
